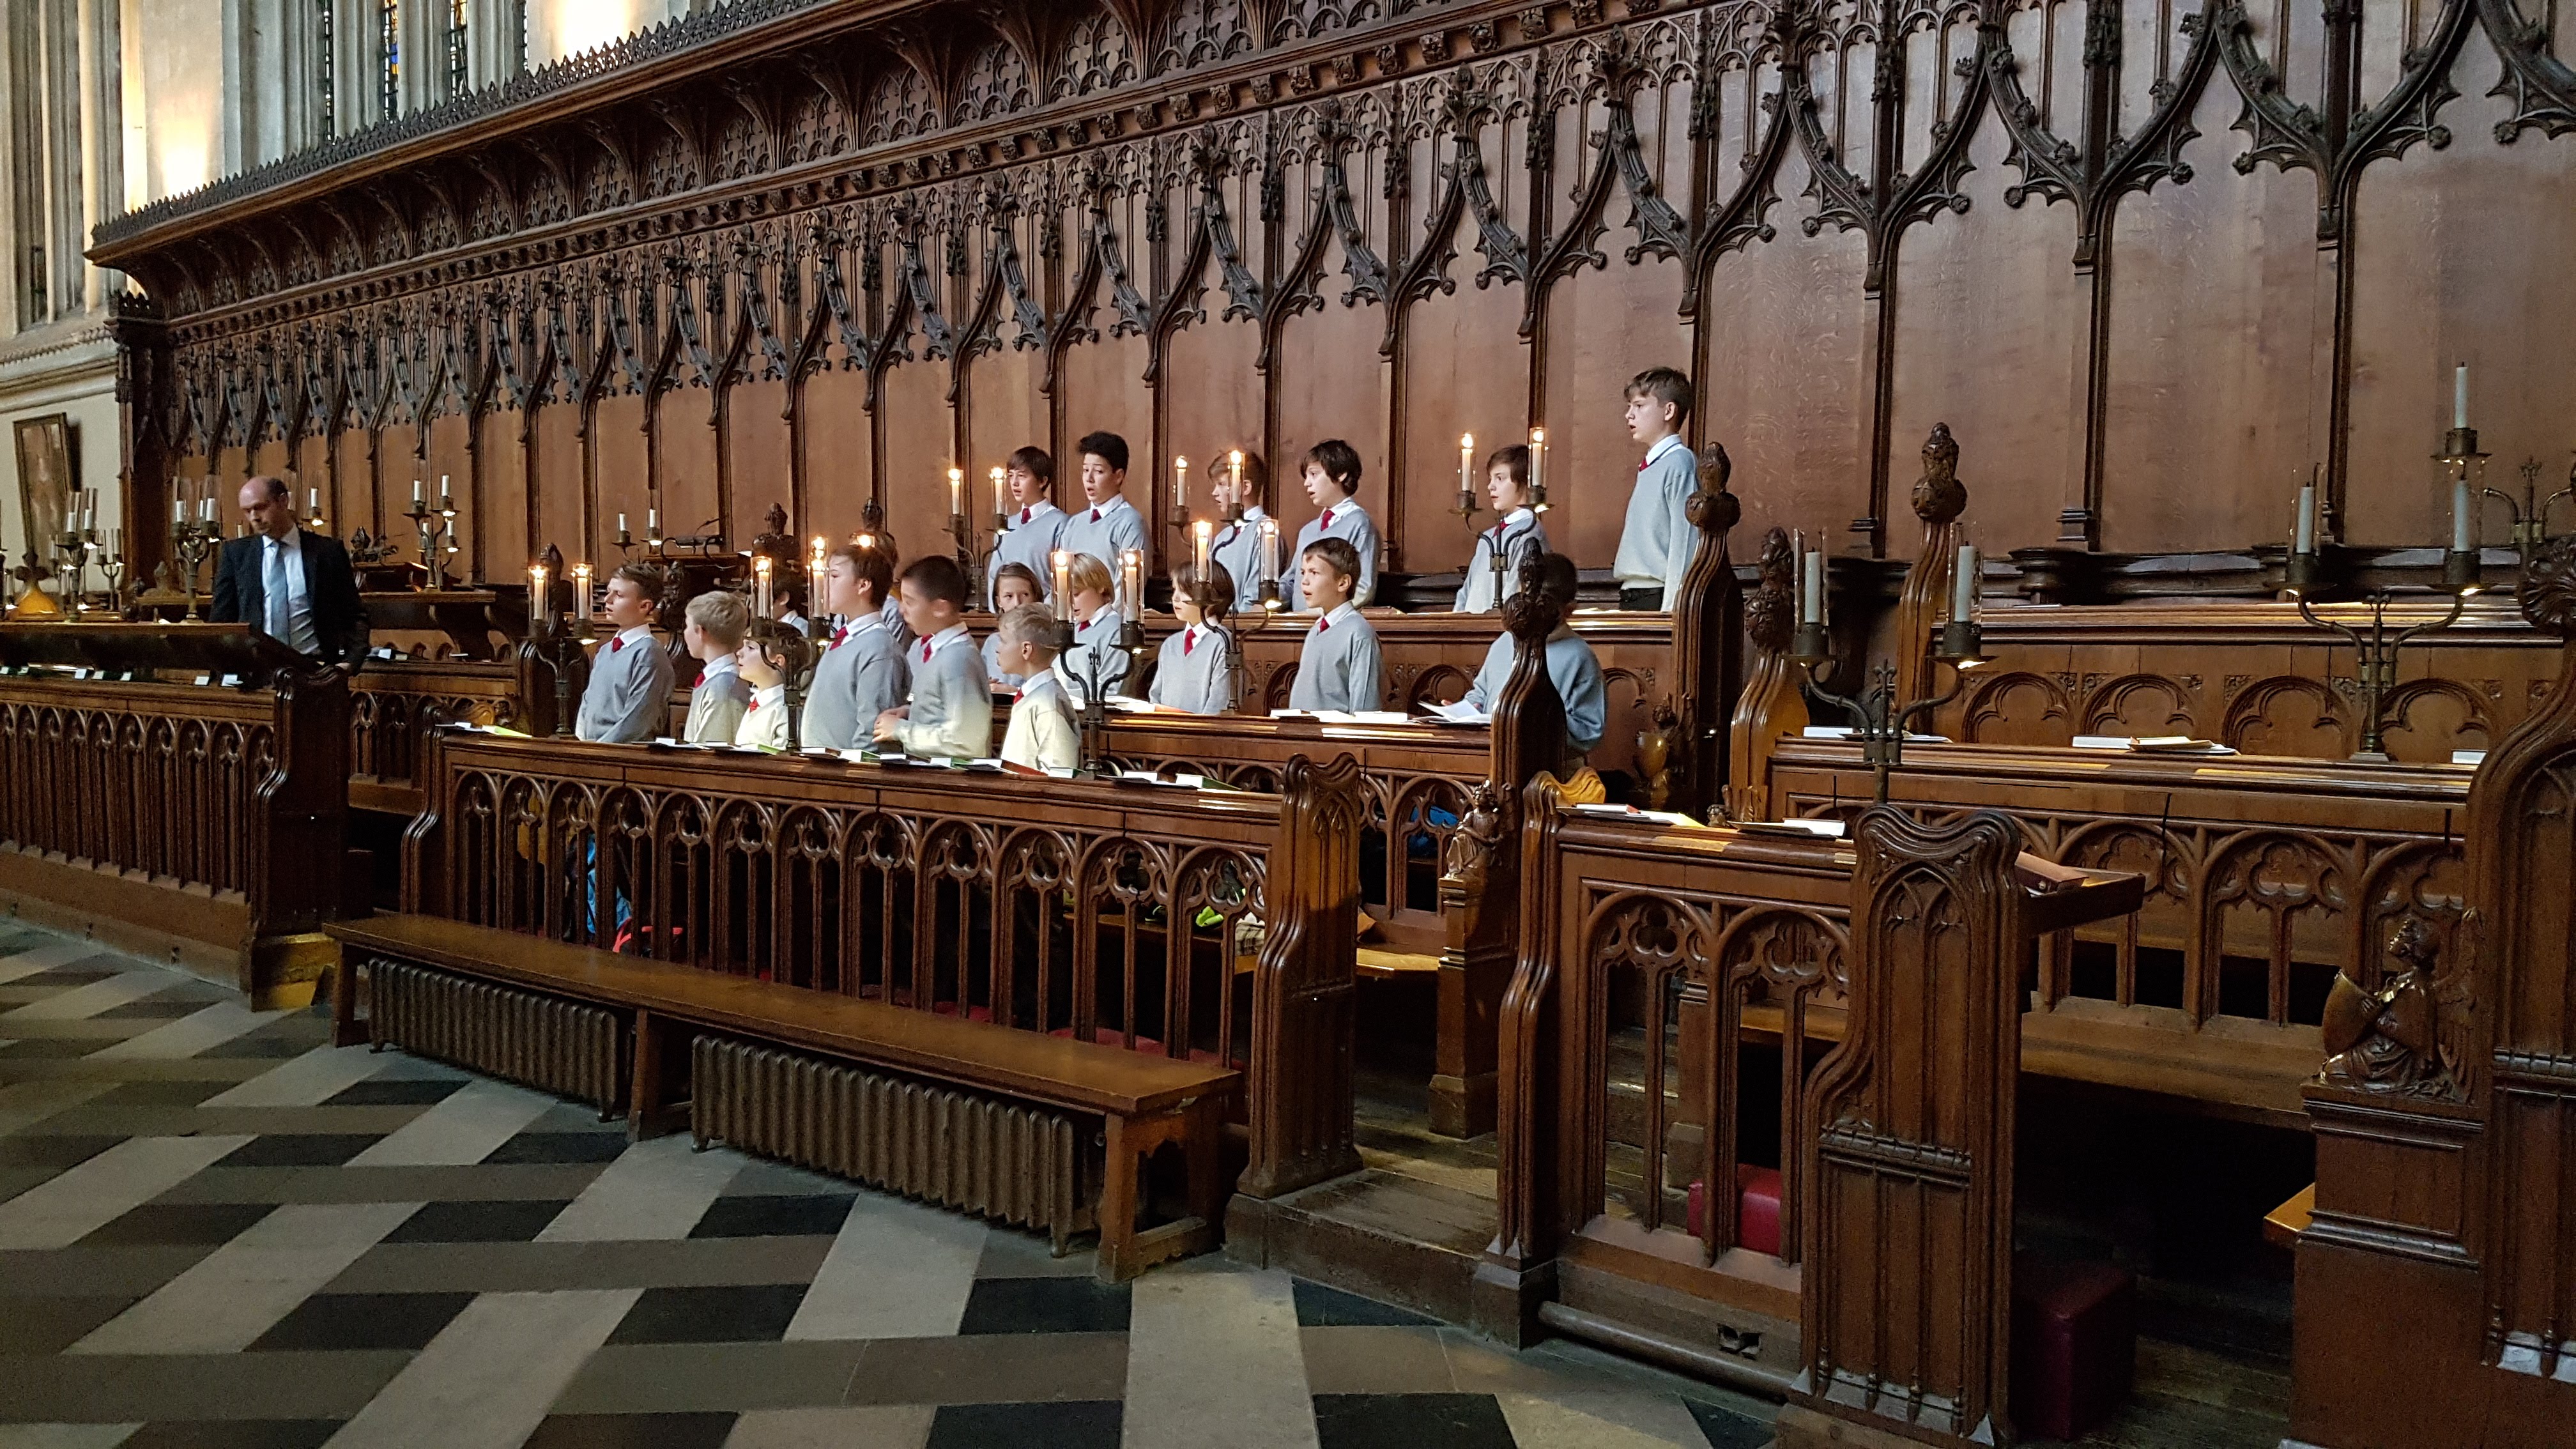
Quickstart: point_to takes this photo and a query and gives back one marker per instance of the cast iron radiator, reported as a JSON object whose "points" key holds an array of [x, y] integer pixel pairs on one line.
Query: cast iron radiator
{"points": [[989, 1156], [564, 1047]]}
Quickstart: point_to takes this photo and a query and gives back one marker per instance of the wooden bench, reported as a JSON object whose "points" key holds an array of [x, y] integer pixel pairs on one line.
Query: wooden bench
{"points": [[972, 1115]]}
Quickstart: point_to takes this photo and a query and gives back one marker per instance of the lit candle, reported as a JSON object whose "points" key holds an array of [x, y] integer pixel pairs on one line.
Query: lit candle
{"points": [[581, 589], [1181, 483], [1001, 494], [1060, 563], [2461, 529], [1963, 587], [1466, 472], [2460, 396], [1538, 469], [445, 499], [1131, 583], [957, 492], [814, 580], [1269, 550], [536, 595], [2306, 523], [1203, 535], [1234, 470], [760, 586]]}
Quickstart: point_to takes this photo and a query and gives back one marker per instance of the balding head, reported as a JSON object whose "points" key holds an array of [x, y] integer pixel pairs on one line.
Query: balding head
{"points": [[264, 504]]}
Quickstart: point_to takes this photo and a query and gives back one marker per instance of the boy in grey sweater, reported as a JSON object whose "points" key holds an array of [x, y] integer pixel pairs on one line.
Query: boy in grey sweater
{"points": [[860, 675], [951, 712], [1338, 668], [628, 700], [1657, 541]]}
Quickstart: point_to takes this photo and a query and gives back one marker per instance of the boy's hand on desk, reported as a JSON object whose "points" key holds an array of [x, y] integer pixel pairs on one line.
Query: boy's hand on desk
{"points": [[888, 720]]}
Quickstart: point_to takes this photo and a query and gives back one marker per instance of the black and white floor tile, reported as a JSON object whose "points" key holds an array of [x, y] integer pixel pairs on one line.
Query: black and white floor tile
{"points": [[215, 1230]]}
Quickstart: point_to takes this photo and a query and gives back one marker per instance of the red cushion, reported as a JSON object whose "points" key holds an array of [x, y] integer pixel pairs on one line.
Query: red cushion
{"points": [[1757, 1208], [2075, 1344]]}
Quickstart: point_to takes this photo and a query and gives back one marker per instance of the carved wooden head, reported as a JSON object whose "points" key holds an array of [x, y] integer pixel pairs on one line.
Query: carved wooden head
{"points": [[1938, 495]]}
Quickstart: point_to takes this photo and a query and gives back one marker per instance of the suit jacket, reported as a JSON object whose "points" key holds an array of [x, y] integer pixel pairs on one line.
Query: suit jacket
{"points": [[330, 588]]}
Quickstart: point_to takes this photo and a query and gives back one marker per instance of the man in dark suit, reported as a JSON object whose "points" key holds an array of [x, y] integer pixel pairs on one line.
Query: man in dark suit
{"points": [[295, 586]]}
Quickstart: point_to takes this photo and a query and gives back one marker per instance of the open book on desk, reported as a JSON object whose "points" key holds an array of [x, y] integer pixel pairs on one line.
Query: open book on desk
{"points": [[1458, 713]]}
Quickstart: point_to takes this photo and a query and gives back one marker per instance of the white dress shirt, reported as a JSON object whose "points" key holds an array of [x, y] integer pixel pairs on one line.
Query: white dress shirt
{"points": [[287, 602]]}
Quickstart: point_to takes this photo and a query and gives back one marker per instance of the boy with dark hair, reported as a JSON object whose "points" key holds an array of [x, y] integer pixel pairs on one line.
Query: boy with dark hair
{"points": [[1332, 475], [1236, 545], [951, 712], [860, 675], [1195, 671], [1111, 525], [1571, 665], [717, 621], [628, 700], [1030, 529], [763, 663], [1494, 573], [1013, 585], [1338, 667], [1656, 544]]}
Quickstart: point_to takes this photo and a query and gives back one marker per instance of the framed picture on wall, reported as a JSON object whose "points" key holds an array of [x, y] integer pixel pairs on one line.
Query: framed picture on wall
{"points": [[46, 479]]}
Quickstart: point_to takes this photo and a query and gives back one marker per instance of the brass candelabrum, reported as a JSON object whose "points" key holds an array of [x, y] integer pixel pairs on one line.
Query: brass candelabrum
{"points": [[190, 542], [2530, 515], [1094, 720], [1881, 718], [2376, 643], [433, 524], [75, 546]]}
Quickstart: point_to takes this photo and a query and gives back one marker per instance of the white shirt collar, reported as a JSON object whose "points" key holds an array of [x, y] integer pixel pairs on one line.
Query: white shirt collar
{"points": [[945, 637], [1346, 507], [722, 664], [1035, 511], [640, 634], [865, 622], [1516, 518], [768, 694], [1342, 613], [1103, 510], [292, 543], [1669, 442], [1042, 682]]}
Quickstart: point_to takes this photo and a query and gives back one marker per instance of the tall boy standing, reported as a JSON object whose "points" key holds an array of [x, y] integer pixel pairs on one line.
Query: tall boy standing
{"points": [[1338, 667], [860, 675], [1332, 474], [1030, 529], [1657, 542], [628, 700], [1110, 525], [951, 712]]}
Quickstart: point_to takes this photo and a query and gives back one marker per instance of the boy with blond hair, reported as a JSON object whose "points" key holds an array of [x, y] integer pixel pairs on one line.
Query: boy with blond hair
{"points": [[717, 622]]}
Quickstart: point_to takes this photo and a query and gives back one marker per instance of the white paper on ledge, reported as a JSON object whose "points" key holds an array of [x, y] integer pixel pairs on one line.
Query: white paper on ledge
{"points": [[1458, 712]]}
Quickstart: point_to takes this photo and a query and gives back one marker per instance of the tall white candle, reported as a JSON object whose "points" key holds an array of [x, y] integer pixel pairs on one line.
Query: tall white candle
{"points": [[178, 511], [1180, 482], [1269, 550], [1234, 466], [621, 525], [1203, 538], [1538, 468], [1001, 493], [415, 495], [2306, 541], [653, 523], [206, 508], [2460, 396], [1466, 470], [2463, 531], [1811, 599], [1963, 584], [536, 593], [444, 496], [313, 501], [1061, 563], [957, 492]]}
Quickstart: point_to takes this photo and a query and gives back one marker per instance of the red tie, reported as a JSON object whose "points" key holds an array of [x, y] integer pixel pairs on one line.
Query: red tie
{"points": [[1328, 518], [1024, 515], [1498, 534], [616, 644], [1086, 625], [699, 682], [1323, 624], [840, 634], [1095, 515], [1641, 465], [1189, 641], [755, 708], [925, 651]]}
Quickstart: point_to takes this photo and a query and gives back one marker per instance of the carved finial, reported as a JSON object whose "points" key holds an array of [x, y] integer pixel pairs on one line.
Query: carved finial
{"points": [[1713, 510], [2394, 1039], [1770, 612], [2547, 591], [1532, 613], [1480, 831], [1938, 495]]}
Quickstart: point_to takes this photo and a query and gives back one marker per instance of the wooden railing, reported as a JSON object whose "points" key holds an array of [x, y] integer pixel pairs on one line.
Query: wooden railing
{"points": [[396, 703], [1155, 919], [2264, 876], [175, 817]]}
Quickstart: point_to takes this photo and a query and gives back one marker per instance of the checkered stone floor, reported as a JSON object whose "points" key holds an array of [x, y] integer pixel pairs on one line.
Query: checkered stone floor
{"points": [[215, 1230]]}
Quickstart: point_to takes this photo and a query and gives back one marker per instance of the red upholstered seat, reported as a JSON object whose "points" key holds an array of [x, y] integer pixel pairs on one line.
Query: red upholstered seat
{"points": [[2074, 1344], [1757, 1208]]}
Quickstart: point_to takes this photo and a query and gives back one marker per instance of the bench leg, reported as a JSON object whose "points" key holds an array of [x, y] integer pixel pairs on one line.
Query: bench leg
{"points": [[645, 1117], [344, 1001], [1117, 1258], [1125, 1252]]}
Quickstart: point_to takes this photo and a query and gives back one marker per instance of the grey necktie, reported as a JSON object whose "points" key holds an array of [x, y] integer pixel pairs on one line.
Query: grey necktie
{"points": [[281, 610]]}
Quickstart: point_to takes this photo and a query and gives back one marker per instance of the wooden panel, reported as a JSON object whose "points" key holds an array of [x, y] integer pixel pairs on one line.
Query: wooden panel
{"points": [[1331, 384], [1466, 371], [449, 459], [919, 442], [687, 466], [756, 456], [504, 548], [839, 455], [1006, 412], [1214, 403], [618, 474], [563, 513]]}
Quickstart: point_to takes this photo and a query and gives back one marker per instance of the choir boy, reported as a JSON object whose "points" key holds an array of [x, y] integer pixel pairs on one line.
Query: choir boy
{"points": [[1096, 625], [1195, 671], [764, 720], [716, 623], [1514, 539], [1570, 663], [1030, 529], [860, 675], [629, 697], [1013, 585], [1236, 546], [951, 712], [1332, 480], [1111, 525], [1338, 668], [1656, 544], [1042, 733]]}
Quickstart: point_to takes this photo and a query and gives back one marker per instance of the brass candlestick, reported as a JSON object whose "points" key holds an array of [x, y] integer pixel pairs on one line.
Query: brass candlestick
{"points": [[190, 543], [2530, 527], [1882, 717], [432, 524]]}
